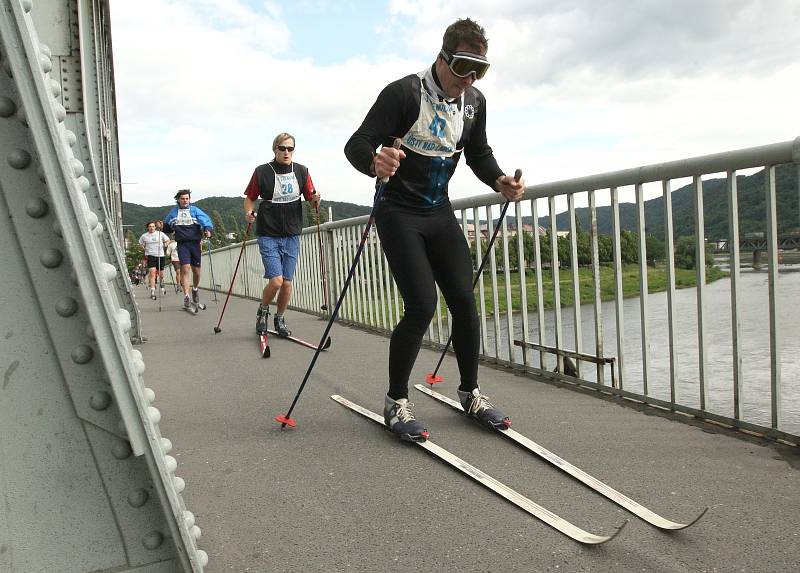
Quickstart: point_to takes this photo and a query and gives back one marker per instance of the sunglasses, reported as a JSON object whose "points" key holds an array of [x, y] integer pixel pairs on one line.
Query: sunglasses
{"points": [[462, 64], [288, 148]]}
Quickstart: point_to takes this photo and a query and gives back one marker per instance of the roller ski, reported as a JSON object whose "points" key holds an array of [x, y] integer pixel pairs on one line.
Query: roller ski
{"points": [[620, 499], [302, 342], [558, 523], [261, 330]]}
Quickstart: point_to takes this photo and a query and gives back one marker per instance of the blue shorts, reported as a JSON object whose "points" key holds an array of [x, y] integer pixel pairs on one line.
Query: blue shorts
{"points": [[279, 255], [189, 253]]}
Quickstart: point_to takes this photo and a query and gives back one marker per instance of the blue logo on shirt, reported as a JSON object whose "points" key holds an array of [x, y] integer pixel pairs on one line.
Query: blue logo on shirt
{"points": [[437, 126]]}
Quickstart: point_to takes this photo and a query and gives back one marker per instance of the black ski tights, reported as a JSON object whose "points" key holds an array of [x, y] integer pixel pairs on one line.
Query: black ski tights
{"points": [[426, 248]]}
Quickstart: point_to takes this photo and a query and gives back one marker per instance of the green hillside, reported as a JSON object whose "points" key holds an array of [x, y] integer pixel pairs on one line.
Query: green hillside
{"points": [[752, 209]]}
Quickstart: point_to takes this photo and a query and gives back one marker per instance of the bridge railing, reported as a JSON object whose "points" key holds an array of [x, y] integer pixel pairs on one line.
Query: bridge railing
{"points": [[678, 349]]}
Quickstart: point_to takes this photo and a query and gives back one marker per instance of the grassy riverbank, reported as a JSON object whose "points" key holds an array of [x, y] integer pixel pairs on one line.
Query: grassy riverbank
{"points": [[656, 282]]}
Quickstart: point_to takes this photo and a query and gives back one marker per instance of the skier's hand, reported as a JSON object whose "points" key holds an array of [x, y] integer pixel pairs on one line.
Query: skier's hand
{"points": [[386, 162], [510, 188], [315, 200], [250, 217]]}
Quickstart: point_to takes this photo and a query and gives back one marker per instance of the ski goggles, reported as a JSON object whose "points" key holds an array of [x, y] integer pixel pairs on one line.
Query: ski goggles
{"points": [[463, 64]]}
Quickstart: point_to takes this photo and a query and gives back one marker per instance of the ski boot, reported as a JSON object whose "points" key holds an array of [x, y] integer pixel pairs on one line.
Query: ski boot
{"points": [[397, 415], [196, 300], [280, 326], [261, 320], [188, 306], [478, 406]]}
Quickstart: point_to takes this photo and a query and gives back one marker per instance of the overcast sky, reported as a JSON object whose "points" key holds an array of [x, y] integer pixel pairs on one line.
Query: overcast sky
{"points": [[576, 87]]}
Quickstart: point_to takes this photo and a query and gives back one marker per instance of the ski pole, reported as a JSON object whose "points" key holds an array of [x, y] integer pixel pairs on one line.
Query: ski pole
{"points": [[432, 377], [322, 264], [211, 266], [217, 329], [286, 419], [172, 277]]}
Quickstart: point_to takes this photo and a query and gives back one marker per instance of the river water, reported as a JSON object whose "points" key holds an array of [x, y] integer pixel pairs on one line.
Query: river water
{"points": [[754, 337]]}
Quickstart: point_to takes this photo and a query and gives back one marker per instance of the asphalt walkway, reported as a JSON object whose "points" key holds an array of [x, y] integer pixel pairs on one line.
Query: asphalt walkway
{"points": [[337, 493]]}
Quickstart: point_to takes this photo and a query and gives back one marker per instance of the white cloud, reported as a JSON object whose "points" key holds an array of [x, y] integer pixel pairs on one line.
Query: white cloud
{"points": [[576, 87]]}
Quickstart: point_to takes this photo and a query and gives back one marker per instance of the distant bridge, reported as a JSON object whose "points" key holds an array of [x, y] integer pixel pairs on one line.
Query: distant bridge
{"points": [[757, 243]]}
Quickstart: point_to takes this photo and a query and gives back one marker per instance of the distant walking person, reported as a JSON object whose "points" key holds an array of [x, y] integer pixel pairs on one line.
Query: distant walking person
{"points": [[190, 224], [154, 243], [172, 253], [279, 184]]}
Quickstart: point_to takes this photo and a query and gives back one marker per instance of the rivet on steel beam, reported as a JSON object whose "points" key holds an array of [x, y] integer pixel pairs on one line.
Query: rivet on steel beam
{"points": [[37, 208], [27, 5], [138, 497], [202, 557], [45, 49], [82, 354], [121, 450], [45, 63], [19, 159], [71, 138], [60, 111], [138, 365], [171, 464], [84, 184], [66, 306], [196, 532], [100, 400], [51, 258], [108, 271], [124, 320], [55, 88], [188, 518], [77, 167], [92, 220], [179, 484], [153, 540], [154, 414], [149, 395], [166, 445], [7, 107]]}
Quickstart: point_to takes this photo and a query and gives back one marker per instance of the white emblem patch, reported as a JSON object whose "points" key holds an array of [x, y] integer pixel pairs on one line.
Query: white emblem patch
{"points": [[469, 111]]}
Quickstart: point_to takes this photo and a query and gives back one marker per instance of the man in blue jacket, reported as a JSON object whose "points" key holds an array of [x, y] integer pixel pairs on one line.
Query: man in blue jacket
{"points": [[190, 224]]}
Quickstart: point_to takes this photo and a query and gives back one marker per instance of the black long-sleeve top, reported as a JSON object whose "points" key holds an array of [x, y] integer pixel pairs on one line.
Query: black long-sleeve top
{"points": [[434, 131]]}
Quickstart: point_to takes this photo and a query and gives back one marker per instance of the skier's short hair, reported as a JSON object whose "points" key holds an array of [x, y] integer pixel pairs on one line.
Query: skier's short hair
{"points": [[182, 192], [465, 31], [281, 137]]}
